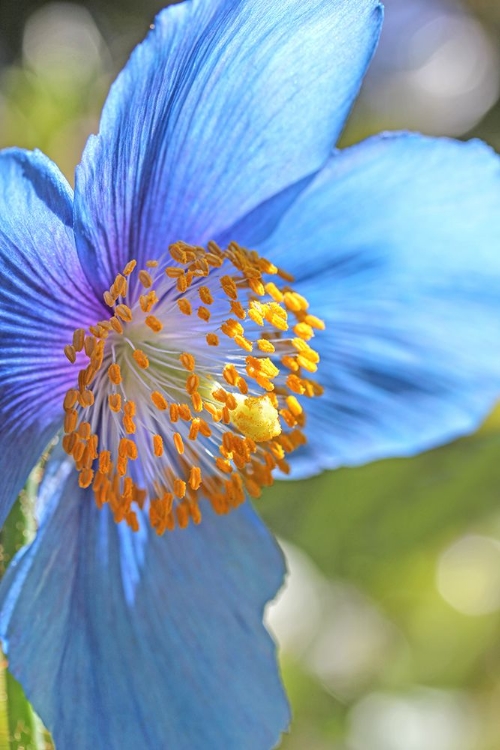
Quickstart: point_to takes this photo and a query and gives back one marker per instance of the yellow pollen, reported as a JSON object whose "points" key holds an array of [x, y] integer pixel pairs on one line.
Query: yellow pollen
{"points": [[256, 417]]}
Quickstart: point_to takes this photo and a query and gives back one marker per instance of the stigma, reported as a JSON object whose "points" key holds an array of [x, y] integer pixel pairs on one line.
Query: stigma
{"points": [[194, 388]]}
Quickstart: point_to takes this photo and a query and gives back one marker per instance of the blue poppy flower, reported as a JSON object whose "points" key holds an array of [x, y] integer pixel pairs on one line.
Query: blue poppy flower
{"points": [[150, 320]]}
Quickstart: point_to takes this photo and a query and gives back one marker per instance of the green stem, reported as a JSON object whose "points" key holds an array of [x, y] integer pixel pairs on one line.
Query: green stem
{"points": [[19, 721]]}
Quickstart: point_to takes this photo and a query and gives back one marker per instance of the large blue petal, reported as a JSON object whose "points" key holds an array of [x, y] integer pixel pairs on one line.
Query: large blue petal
{"points": [[126, 641], [225, 104], [44, 296], [396, 244]]}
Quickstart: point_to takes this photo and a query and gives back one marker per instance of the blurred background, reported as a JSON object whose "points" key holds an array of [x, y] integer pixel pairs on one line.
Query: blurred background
{"points": [[389, 625]]}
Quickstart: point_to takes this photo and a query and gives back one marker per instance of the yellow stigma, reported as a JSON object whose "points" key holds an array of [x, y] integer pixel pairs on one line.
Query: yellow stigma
{"points": [[199, 401], [256, 417]]}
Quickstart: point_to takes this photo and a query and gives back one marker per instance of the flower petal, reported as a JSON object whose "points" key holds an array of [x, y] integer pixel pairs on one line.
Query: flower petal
{"points": [[224, 105], [123, 641], [395, 244], [43, 297]]}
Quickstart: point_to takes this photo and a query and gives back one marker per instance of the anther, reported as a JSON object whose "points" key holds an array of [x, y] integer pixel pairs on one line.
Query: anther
{"points": [[153, 323], [70, 353], [159, 400], [145, 279], [129, 267], [188, 361], [179, 445], [114, 373], [141, 358], [124, 312], [115, 402], [184, 306], [157, 445]]}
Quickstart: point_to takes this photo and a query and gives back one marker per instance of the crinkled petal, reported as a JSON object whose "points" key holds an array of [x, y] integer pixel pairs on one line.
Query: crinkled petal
{"points": [[396, 245], [44, 295], [224, 105], [124, 641]]}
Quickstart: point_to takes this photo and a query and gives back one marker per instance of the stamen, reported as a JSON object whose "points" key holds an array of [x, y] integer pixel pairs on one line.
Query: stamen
{"points": [[243, 381]]}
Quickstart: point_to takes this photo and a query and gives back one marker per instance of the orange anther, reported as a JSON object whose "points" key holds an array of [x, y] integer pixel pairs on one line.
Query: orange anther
{"points": [[116, 325], [152, 264], [192, 383], [184, 306], [130, 408], [204, 313], [145, 279], [108, 298], [188, 361], [178, 442], [265, 345], [128, 425], [70, 420], [147, 301], [194, 429], [237, 309], [244, 343], [114, 373], [70, 353], [174, 413], [158, 445], [212, 339], [153, 323], [78, 339], [115, 402], [179, 488], [129, 267], [195, 477], [70, 399], [104, 461], [89, 345], [124, 312], [205, 295], [85, 478], [159, 400], [223, 465], [140, 358], [84, 430]]}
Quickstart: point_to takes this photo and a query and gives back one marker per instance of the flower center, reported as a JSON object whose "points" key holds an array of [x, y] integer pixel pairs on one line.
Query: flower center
{"points": [[192, 388]]}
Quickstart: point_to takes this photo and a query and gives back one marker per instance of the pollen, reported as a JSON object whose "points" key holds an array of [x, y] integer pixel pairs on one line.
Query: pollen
{"points": [[169, 409]]}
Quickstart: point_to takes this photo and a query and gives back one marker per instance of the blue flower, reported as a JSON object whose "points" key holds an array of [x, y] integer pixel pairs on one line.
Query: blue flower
{"points": [[150, 320]]}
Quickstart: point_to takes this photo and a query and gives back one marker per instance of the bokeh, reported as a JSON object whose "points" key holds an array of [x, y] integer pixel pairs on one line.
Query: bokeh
{"points": [[389, 624]]}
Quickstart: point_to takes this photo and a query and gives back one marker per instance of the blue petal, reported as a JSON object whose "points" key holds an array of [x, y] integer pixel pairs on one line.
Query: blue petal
{"points": [[44, 296], [126, 641], [224, 105], [396, 245]]}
